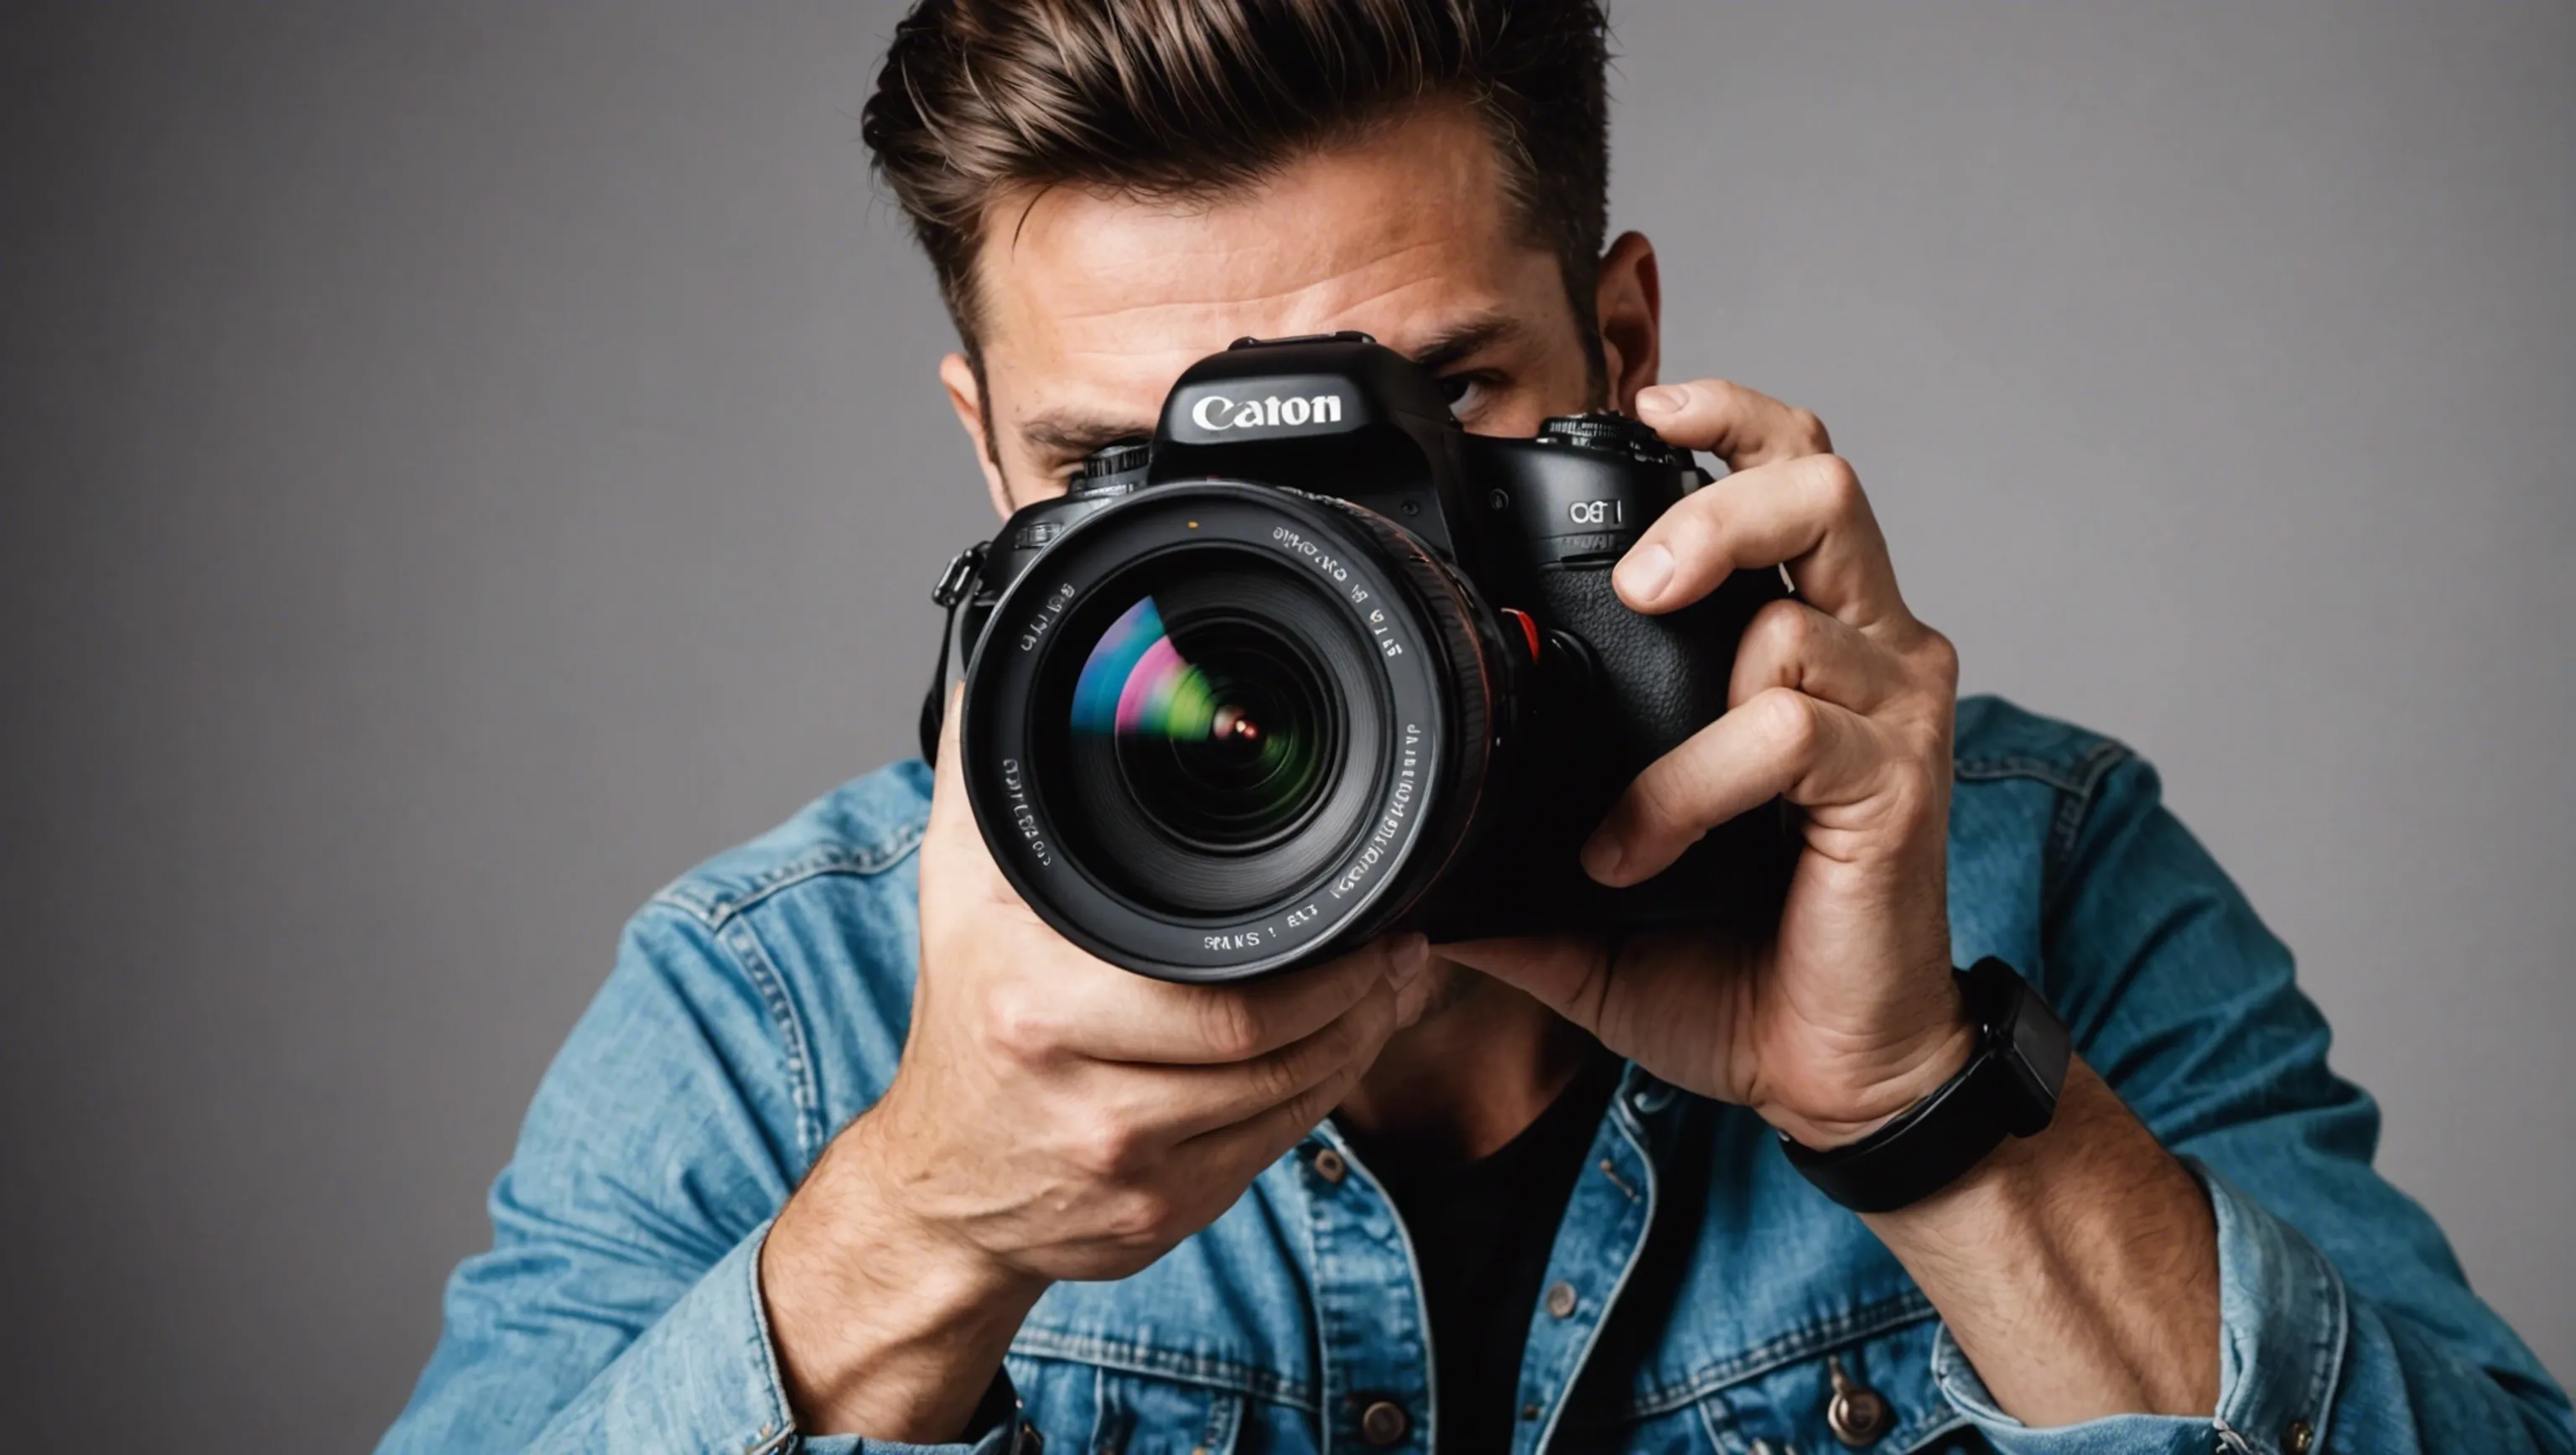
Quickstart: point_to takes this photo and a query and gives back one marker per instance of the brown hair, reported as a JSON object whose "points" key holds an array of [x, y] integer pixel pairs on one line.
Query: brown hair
{"points": [[1190, 98]]}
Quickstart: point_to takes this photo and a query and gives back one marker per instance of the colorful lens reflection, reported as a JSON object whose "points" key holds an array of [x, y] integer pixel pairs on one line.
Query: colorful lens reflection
{"points": [[1136, 682], [1215, 724]]}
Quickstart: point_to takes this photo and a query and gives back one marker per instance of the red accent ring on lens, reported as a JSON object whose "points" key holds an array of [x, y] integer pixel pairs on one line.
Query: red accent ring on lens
{"points": [[1529, 628]]}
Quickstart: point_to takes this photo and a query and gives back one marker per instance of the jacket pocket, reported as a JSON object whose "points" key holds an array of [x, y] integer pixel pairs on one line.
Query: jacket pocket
{"points": [[1142, 1416], [1084, 1409], [1873, 1394]]}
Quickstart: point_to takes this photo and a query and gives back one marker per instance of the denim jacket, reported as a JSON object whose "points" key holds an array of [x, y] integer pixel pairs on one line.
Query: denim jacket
{"points": [[1717, 1301]]}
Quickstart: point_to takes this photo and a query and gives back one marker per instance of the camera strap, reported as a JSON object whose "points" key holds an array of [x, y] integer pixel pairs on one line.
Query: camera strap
{"points": [[955, 585]]}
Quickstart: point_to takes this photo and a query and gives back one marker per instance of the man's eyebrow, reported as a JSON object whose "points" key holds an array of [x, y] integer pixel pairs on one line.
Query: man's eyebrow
{"points": [[1071, 434], [1463, 340]]}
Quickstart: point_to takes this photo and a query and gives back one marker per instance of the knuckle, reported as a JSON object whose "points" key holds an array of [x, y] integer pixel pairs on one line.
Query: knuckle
{"points": [[1809, 431], [1791, 725], [1281, 1075], [1108, 1146], [1723, 395], [1020, 1024], [1836, 483], [1230, 1026], [1144, 1217], [1940, 658], [1783, 629]]}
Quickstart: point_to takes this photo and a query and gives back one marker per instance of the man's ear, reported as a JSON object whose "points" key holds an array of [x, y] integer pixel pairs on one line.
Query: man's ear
{"points": [[966, 396], [1630, 306]]}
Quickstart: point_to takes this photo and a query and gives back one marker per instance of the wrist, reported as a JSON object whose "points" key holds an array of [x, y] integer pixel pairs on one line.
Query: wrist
{"points": [[1881, 1087], [2077, 1268], [884, 1324]]}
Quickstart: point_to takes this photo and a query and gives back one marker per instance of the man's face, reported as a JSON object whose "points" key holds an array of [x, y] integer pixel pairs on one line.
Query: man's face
{"points": [[1093, 305]]}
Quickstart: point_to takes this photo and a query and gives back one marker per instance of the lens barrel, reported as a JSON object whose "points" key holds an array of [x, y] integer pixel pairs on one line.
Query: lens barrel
{"points": [[1221, 729]]}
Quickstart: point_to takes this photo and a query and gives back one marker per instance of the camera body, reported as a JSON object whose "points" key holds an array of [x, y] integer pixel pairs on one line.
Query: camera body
{"points": [[1384, 681]]}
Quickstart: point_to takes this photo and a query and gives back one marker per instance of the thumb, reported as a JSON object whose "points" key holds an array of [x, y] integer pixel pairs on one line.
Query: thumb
{"points": [[949, 812], [1568, 974], [952, 838]]}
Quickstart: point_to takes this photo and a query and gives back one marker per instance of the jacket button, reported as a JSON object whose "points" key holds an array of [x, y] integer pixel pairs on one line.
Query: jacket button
{"points": [[1384, 1422], [2298, 1437], [1857, 1414], [1561, 1300], [1330, 1166]]}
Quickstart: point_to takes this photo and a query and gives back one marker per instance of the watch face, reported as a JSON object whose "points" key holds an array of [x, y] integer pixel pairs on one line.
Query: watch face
{"points": [[2037, 1053]]}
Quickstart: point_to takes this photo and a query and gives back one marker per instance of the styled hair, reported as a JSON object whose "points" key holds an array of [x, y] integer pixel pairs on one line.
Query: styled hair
{"points": [[1187, 99]]}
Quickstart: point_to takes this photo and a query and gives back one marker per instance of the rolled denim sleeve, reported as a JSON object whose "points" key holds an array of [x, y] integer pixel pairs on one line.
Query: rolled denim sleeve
{"points": [[618, 1310], [2346, 1321], [2283, 1326], [704, 1377]]}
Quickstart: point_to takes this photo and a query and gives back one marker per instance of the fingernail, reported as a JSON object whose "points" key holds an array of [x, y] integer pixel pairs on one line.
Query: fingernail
{"points": [[1643, 572], [1602, 857], [1405, 959], [1658, 399]]}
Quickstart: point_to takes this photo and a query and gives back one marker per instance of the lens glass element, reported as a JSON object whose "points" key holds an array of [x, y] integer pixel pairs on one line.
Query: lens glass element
{"points": [[1218, 743], [1225, 748]]}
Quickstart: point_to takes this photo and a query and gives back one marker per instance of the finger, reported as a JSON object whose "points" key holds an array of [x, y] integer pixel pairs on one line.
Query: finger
{"points": [[1237, 1153], [1191, 1100], [1744, 427], [948, 808], [1791, 644], [1807, 513], [1779, 743], [952, 839], [1561, 972], [1131, 1018], [1626, 989]]}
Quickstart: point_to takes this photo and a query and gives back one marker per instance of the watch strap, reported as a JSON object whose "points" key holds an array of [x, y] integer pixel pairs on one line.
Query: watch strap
{"points": [[2008, 1088]]}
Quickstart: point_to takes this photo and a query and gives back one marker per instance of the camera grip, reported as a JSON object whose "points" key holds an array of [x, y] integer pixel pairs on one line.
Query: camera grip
{"points": [[1657, 679], [1652, 682]]}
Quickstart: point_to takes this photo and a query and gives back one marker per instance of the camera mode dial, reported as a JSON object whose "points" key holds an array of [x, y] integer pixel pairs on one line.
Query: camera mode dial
{"points": [[1604, 432], [1113, 469]]}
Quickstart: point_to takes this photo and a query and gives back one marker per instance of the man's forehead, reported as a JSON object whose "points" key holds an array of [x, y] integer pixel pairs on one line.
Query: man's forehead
{"points": [[1099, 301]]}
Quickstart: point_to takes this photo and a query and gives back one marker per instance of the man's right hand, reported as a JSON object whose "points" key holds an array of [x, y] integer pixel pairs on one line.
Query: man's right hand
{"points": [[1053, 1117]]}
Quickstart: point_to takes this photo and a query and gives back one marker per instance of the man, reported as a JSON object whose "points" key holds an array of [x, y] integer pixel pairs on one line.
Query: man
{"points": [[853, 1149]]}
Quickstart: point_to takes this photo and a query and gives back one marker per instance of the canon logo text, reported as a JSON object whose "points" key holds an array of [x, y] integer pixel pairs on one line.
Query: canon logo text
{"points": [[1216, 412]]}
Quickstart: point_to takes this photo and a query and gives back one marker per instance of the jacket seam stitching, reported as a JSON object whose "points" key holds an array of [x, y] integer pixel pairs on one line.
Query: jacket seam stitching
{"points": [[1199, 1369], [744, 945], [715, 910], [2073, 811], [2335, 1339], [2073, 777]]}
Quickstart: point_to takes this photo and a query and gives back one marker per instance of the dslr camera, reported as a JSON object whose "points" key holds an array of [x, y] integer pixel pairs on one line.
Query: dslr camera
{"points": [[1315, 664]]}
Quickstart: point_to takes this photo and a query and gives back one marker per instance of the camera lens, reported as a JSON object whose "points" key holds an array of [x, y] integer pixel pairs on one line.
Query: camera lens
{"points": [[1208, 732], [1219, 729]]}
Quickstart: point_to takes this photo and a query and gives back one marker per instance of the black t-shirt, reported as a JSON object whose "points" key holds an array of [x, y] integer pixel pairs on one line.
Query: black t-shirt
{"points": [[1482, 1232]]}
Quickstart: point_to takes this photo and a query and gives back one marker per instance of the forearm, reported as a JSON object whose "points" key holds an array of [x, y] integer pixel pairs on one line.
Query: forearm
{"points": [[882, 1328], [2078, 1269]]}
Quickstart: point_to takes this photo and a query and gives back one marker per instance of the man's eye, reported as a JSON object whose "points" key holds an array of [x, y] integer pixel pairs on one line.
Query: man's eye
{"points": [[1466, 392]]}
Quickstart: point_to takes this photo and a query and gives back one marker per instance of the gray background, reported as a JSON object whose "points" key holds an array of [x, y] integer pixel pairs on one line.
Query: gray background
{"points": [[466, 463]]}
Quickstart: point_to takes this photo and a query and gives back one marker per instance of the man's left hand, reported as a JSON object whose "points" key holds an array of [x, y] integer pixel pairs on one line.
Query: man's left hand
{"points": [[1840, 701]]}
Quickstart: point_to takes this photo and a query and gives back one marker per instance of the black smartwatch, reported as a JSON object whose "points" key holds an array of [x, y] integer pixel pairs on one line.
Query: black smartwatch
{"points": [[2008, 1089]]}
